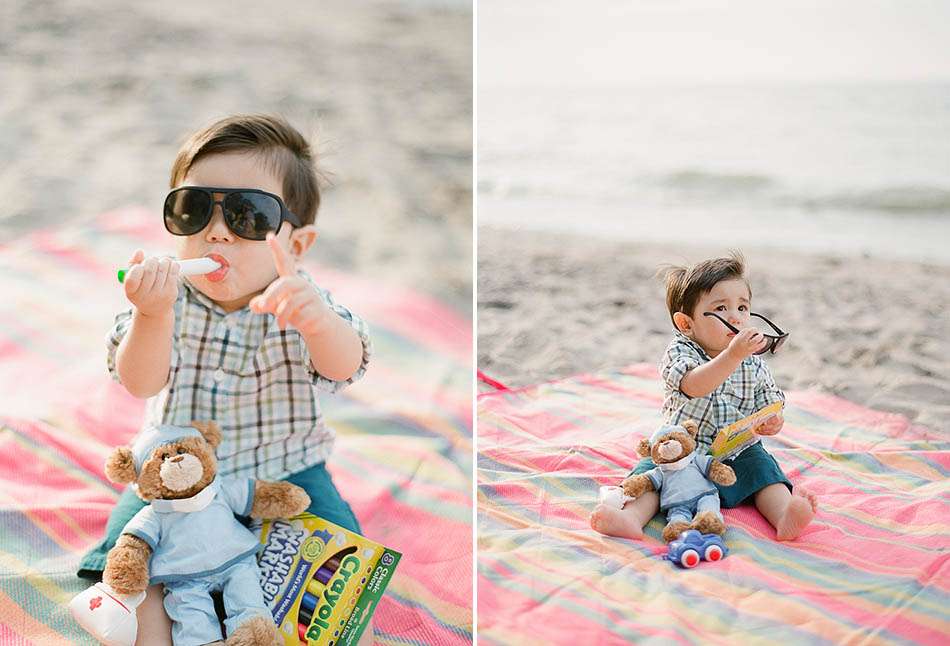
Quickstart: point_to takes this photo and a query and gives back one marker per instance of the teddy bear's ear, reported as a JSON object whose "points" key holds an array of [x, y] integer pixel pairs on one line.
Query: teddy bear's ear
{"points": [[691, 427], [210, 431], [644, 448], [120, 467]]}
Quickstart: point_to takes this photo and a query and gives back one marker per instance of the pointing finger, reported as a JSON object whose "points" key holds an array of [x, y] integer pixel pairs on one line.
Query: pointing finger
{"points": [[274, 294], [282, 260]]}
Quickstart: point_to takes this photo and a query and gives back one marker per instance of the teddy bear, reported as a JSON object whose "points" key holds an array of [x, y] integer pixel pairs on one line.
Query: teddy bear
{"points": [[683, 479], [188, 537]]}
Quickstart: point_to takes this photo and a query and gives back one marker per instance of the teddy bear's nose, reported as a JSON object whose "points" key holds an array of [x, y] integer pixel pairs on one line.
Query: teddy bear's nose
{"points": [[178, 458], [669, 449]]}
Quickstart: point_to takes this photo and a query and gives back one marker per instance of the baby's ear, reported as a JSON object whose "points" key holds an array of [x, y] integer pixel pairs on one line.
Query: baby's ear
{"points": [[210, 431], [120, 467], [301, 239], [683, 322], [644, 448], [691, 427]]}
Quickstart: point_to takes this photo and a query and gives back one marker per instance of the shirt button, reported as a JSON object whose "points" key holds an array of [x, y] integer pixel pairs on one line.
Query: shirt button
{"points": [[218, 374]]}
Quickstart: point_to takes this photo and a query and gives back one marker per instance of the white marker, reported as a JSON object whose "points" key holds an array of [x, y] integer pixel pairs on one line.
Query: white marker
{"points": [[190, 267]]}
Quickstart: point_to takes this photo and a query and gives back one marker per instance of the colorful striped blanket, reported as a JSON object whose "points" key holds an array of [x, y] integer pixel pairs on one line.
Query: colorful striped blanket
{"points": [[872, 568], [403, 458]]}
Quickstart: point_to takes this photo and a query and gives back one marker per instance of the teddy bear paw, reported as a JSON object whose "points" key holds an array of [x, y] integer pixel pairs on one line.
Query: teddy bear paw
{"points": [[297, 500], [708, 522], [672, 531], [278, 500], [257, 631], [126, 571]]}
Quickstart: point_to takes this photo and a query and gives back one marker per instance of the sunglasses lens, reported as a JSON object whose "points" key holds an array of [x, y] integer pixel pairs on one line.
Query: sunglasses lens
{"points": [[252, 215], [187, 211]]}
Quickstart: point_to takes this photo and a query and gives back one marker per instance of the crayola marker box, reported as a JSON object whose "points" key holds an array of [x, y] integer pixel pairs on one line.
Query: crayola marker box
{"points": [[321, 581]]}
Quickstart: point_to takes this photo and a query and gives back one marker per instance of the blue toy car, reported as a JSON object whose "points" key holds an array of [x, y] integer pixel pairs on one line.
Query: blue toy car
{"points": [[691, 546]]}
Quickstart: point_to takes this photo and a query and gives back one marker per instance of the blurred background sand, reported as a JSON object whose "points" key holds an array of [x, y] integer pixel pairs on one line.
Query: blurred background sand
{"points": [[813, 137], [872, 331], [97, 97]]}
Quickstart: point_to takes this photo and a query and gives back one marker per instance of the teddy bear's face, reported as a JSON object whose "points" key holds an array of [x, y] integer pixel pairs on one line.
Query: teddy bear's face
{"points": [[672, 446], [177, 470], [172, 471]]}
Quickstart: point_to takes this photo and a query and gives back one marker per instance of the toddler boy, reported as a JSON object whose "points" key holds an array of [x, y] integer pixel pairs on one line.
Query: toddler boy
{"points": [[713, 375], [248, 344]]}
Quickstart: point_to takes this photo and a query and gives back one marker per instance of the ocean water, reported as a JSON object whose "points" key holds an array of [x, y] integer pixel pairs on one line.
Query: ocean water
{"points": [[847, 168]]}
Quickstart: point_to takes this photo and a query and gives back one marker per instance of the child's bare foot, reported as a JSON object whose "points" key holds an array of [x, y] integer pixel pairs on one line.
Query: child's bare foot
{"points": [[801, 509], [613, 522]]}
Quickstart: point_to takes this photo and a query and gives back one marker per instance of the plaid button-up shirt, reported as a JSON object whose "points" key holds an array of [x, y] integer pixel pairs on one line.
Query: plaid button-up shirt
{"points": [[749, 388], [256, 381]]}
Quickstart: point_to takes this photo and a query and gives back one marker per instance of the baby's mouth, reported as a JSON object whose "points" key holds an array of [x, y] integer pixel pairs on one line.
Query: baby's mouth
{"points": [[218, 274]]}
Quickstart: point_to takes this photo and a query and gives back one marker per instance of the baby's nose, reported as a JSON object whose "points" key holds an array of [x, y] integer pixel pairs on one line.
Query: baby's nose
{"points": [[218, 229]]}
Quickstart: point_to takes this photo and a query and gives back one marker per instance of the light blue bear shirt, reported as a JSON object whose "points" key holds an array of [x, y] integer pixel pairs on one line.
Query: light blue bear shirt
{"points": [[197, 536], [683, 482]]}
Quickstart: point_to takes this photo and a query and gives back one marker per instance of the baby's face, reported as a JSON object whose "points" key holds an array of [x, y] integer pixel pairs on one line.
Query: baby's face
{"points": [[250, 265], [729, 299]]}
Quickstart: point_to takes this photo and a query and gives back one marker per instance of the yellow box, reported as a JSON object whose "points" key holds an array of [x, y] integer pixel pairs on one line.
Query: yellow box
{"points": [[739, 435], [316, 576]]}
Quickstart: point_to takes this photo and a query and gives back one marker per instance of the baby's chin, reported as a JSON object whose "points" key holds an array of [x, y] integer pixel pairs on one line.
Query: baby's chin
{"points": [[712, 349], [225, 293]]}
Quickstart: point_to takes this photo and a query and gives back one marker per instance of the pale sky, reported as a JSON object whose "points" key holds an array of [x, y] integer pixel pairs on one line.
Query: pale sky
{"points": [[546, 42]]}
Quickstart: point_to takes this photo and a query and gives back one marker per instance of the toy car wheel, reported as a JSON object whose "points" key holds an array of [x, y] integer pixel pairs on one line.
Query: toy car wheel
{"points": [[689, 558], [713, 553]]}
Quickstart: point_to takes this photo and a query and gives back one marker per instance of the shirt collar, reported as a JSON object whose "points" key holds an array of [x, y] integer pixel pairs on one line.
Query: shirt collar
{"points": [[680, 464], [679, 336], [184, 505], [195, 294]]}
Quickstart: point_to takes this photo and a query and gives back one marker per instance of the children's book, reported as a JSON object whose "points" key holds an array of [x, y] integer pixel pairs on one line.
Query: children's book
{"points": [[731, 440], [321, 581]]}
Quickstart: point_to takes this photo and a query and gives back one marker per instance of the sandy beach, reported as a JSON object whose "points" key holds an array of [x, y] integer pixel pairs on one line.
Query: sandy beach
{"points": [[98, 96], [870, 330]]}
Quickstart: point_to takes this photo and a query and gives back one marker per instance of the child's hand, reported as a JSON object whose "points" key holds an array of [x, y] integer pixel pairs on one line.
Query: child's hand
{"points": [[746, 343], [291, 298], [152, 284], [771, 426]]}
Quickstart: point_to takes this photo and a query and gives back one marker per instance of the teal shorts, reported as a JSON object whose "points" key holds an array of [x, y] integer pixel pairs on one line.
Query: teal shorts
{"points": [[755, 470], [325, 501]]}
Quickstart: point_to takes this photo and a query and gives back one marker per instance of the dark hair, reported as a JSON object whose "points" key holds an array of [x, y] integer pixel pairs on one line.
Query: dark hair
{"points": [[685, 285], [279, 145]]}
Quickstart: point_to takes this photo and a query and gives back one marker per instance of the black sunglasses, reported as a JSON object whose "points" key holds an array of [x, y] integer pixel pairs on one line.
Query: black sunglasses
{"points": [[249, 213], [776, 341]]}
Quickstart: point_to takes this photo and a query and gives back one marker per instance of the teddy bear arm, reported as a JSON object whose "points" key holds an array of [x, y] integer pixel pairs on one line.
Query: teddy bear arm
{"points": [[127, 565], [722, 474], [278, 500], [636, 486]]}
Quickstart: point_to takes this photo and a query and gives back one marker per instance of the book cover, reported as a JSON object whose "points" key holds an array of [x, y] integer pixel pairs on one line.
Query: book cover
{"points": [[732, 439]]}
